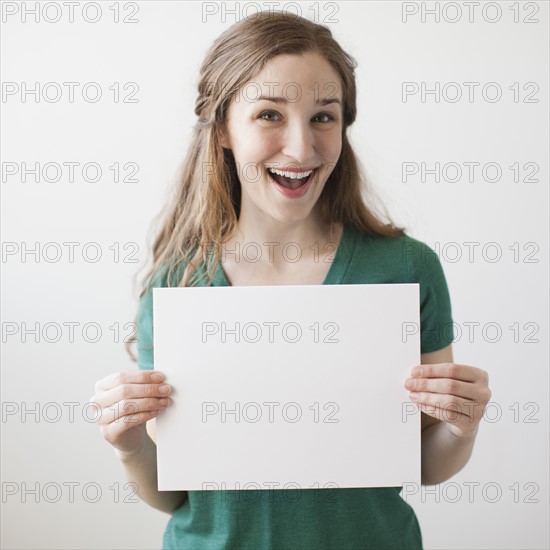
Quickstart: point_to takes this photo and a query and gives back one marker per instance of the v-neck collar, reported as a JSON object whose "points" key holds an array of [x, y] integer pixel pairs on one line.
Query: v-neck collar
{"points": [[338, 267]]}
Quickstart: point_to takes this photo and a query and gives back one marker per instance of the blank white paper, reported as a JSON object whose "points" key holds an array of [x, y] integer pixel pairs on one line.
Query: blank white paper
{"points": [[287, 387]]}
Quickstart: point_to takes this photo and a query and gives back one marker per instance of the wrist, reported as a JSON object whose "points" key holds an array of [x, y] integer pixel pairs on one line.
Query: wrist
{"points": [[134, 455], [461, 435], [127, 456]]}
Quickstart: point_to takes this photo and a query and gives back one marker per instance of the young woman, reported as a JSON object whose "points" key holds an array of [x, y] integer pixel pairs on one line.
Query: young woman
{"points": [[270, 164]]}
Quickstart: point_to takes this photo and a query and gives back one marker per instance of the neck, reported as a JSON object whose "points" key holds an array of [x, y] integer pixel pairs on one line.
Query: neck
{"points": [[278, 241]]}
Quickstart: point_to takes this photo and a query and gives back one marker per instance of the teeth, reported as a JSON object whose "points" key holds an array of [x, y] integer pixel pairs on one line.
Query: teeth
{"points": [[292, 175]]}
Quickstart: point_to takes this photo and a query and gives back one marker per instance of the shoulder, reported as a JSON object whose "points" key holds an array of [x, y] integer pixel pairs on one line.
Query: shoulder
{"points": [[165, 276], [399, 259]]}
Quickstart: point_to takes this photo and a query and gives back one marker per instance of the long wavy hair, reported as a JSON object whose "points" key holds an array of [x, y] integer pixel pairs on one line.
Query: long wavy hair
{"points": [[205, 204]]}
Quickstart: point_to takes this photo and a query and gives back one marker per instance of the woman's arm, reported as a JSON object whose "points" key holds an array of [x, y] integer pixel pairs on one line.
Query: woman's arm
{"points": [[453, 398], [127, 403], [141, 469]]}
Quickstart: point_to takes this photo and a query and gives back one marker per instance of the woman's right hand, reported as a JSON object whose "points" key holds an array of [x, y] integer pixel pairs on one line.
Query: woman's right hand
{"points": [[125, 401]]}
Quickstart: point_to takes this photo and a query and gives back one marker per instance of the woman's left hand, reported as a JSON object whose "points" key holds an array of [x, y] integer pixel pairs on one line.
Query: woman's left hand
{"points": [[455, 394]]}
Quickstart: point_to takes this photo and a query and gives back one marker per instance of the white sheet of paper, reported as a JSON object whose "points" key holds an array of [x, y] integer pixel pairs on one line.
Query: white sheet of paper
{"points": [[311, 396]]}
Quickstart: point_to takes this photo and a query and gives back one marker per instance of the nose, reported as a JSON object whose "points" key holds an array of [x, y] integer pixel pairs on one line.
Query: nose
{"points": [[298, 142]]}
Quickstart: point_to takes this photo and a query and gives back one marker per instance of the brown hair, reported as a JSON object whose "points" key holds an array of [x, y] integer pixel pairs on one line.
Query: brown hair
{"points": [[206, 204]]}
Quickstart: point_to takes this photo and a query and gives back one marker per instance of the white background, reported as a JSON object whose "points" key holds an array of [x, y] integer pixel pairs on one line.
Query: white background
{"points": [[162, 53]]}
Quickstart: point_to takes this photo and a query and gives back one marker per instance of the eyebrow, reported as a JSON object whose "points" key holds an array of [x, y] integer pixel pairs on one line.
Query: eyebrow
{"points": [[326, 101]]}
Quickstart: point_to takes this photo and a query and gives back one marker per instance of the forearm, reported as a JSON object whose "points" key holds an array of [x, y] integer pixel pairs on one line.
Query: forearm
{"points": [[443, 453], [141, 469]]}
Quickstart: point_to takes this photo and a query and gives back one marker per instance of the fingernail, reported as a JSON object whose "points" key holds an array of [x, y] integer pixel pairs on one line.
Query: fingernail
{"points": [[417, 371], [410, 383], [157, 377], [164, 389]]}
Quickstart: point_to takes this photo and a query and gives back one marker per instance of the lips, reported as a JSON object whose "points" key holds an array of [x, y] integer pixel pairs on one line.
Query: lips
{"points": [[292, 187], [290, 179]]}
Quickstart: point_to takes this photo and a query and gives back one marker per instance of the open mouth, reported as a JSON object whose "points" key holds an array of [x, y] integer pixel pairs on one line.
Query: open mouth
{"points": [[291, 180]]}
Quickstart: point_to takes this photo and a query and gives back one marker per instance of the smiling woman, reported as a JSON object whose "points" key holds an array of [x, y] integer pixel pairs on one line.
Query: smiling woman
{"points": [[276, 95], [270, 165]]}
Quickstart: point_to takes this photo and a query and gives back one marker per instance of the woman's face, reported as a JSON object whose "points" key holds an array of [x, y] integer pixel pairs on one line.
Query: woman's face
{"points": [[288, 118]]}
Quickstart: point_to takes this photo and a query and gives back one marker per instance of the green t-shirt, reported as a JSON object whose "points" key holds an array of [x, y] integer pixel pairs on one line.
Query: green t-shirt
{"points": [[318, 519]]}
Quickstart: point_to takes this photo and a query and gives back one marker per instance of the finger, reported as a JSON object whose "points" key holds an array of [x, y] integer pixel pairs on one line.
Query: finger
{"points": [[131, 391], [112, 432], [450, 403], [460, 421], [466, 373], [447, 386], [441, 413], [128, 377], [125, 409]]}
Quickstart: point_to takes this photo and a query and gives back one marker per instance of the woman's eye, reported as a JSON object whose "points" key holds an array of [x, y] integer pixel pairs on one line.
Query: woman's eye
{"points": [[327, 117], [272, 116], [269, 116]]}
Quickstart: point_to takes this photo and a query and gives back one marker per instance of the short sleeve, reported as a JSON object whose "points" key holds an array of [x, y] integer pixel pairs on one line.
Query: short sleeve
{"points": [[436, 322], [145, 331], [145, 324]]}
